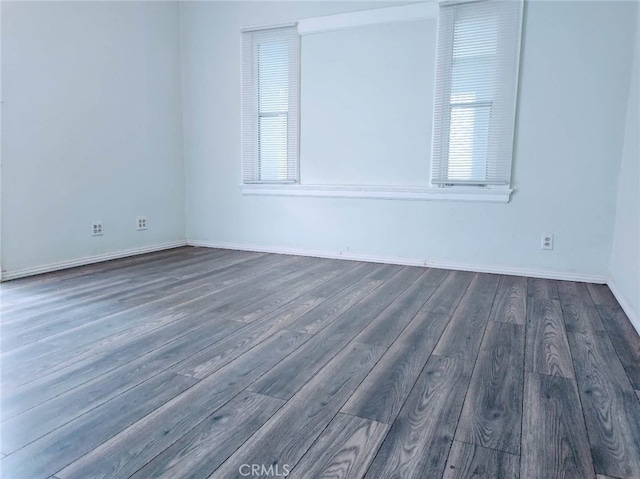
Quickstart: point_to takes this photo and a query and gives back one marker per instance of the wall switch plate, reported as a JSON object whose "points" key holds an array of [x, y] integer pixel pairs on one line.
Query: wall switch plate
{"points": [[96, 228], [546, 241], [141, 223]]}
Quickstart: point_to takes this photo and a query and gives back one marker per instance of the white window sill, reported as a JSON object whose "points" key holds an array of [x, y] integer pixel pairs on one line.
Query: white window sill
{"points": [[461, 193]]}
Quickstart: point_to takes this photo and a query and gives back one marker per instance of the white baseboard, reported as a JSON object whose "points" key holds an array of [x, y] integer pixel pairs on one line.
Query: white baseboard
{"points": [[21, 273], [625, 304], [496, 269]]}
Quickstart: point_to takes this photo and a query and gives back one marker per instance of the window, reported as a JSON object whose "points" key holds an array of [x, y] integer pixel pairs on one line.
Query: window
{"points": [[270, 71], [476, 80]]}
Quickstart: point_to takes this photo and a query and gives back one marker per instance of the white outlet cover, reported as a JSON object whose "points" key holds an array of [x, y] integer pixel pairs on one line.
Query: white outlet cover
{"points": [[141, 223], [546, 242], [96, 228]]}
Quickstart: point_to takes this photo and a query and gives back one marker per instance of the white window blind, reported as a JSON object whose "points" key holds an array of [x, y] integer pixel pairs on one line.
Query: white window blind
{"points": [[270, 71], [476, 81]]}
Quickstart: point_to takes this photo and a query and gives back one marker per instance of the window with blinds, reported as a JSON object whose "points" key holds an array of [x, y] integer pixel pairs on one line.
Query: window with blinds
{"points": [[270, 71], [476, 82]]}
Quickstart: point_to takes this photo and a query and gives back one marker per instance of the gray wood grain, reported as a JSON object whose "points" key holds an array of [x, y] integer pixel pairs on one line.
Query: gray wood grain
{"points": [[285, 438], [344, 449], [492, 412], [461, 339], [141, 367], [203, 449], [419, 440], [610, 408], [542, 288], [105, 357], [554, 438], [136, 445], [48, 454], [579, 312], [35, 422], [381, 395], [601, 295], [334, 285], [625, 340], [510, 302], [322, 315], [385, 328], [547, 350], [288, 377], [471, 461]]}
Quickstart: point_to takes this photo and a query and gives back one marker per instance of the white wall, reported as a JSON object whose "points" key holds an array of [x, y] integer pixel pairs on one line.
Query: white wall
{"points": [[374, 83], [625, 255], [92, 128], [574, 82]]}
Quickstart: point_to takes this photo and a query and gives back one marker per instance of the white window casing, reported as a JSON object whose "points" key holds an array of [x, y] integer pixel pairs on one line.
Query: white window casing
{"points": [[476, 88], [270, 90]]}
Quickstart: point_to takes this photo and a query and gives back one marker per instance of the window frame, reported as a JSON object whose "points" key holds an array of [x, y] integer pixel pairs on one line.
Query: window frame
{"points": [[251, 171], [458, 193], [442, 126]]}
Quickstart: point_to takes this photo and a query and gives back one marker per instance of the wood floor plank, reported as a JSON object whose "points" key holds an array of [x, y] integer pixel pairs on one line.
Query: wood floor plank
{"points": [[554, 438], [472, 461], [601, 295], [419, 440], [57, 449], [611, 411], [143, 277], [542, 288], [285, 438], [139, 279], [579, 312], [34, 423], [125, 453], [337, 282], [344, 449], [387, 326], [547, 350], [211, 359], [383, 392], [625, 340], [45, 325], [70, 279], [461, 339], [290, 375], [132, 322], [327, 311], [492, 412], [150, 366], [203, 449], [165, 343], [510, 302]]}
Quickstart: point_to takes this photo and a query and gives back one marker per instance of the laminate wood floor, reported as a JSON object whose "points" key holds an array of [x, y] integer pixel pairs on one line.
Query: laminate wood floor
{"points": [[205, 363]]}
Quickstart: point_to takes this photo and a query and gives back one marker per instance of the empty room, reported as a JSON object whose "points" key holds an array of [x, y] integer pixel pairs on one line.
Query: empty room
{"points": [[320, 239]]}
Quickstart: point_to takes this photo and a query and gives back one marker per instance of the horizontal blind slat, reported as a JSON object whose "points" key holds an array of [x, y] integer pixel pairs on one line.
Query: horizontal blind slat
{"points": [[270, 71], [476, 75]]}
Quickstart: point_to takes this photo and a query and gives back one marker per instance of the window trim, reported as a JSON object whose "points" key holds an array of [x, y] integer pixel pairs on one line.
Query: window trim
{"points": [[249, 97], [419, 193], [445, 119], [438, 192]]}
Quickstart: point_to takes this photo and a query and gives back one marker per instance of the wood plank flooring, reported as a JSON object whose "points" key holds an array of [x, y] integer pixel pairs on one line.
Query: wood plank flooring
{"points": [[204, 363]]}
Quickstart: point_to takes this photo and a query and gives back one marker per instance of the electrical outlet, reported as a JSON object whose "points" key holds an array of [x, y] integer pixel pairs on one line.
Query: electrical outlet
{"points": [[141, 223], [96, 228], [546, 241]]}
